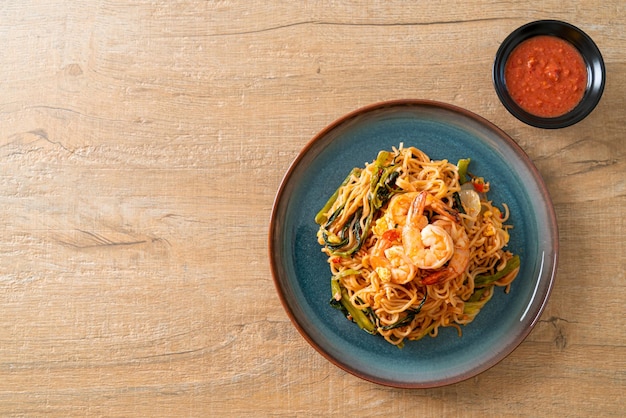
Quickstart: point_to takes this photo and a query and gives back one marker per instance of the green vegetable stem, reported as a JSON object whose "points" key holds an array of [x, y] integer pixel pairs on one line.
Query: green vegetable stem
{"points": [[462, 166], [355, 230], [344, 304], [487, 279]]}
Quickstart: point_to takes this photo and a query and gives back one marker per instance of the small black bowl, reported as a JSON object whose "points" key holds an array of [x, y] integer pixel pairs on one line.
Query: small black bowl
{"points": [[587, 48]]}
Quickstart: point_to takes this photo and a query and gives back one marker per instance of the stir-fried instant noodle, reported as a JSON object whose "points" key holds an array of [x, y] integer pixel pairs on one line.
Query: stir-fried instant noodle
{"points": [[414, 245]]}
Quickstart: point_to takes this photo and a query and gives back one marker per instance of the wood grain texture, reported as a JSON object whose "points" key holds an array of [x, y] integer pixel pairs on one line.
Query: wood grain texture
{"points": [[142, 144]]}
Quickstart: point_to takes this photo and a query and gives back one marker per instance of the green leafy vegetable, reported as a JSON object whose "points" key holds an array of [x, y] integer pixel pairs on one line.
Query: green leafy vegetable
{"points": [[349, 310], [478, 299], [458, 205], [462, 166], [320, 218], [408, 318], [355, 230], [487, 279]]}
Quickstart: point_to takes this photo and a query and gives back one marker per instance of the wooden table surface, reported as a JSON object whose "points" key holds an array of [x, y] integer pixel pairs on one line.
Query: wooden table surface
{"points": [[142, 144]]}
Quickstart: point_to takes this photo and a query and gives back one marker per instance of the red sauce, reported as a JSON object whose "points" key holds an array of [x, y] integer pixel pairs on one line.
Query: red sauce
{"points": [[546, 76]]}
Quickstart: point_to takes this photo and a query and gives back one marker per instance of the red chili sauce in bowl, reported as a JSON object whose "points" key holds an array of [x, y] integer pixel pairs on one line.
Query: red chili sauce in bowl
{"points": [[546, 76]]}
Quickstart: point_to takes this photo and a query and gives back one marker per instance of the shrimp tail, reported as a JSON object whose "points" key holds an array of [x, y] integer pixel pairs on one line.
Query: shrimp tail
{"points": [[446, 211], [425, 199], [440, 276], [417, 209]]}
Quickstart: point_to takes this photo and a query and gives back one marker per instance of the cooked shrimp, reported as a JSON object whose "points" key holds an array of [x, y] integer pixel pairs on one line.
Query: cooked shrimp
{"points": [[427, 245], [400, 205], [388, 259], [424, 245], [393, 266], [460, 258]]}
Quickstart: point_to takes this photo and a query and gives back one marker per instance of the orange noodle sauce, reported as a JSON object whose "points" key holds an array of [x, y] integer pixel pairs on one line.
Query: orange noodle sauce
{"points": [[546, 76]]}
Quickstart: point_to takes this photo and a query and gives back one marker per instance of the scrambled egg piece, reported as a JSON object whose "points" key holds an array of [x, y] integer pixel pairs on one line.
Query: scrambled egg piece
{"points": [[382, 225], [384, 274]]}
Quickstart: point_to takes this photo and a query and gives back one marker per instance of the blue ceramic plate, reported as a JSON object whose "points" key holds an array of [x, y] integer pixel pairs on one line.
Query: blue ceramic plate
{"points": [[302, 275]]}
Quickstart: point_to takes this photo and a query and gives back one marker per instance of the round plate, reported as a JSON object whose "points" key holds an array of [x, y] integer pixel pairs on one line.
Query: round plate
{"points": [[302, 275]]}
